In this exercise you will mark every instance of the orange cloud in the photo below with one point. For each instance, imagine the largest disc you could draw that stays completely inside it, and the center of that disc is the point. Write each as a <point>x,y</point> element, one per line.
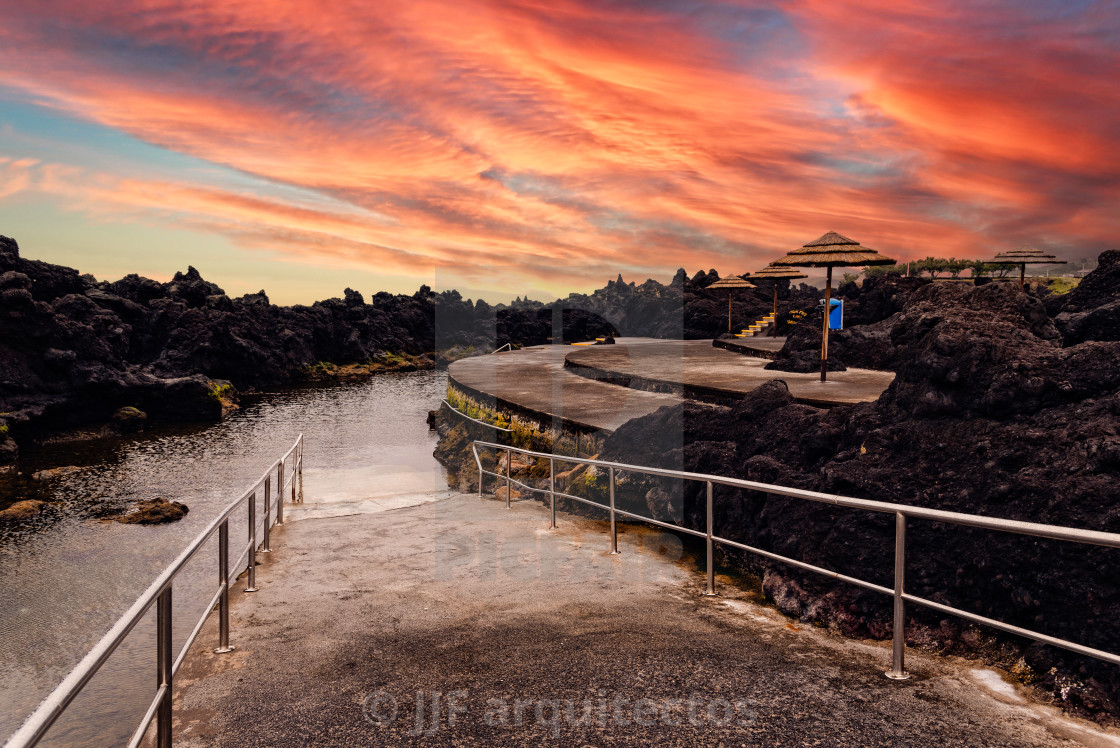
<point>557,143</point>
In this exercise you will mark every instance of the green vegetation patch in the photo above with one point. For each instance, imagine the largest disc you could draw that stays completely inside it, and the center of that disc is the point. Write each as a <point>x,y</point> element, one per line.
<point>219,391</point>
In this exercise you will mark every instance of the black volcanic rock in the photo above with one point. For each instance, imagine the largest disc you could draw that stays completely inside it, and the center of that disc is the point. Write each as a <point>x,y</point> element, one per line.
<point>138,289</point>
<point>1098,288</point>
<point>74,351</point>
<point>983,314</point>
<point>191,289</point>
<point>987,415</point>
<point>686,308</point>
<point>1091,311</point>
<point>50,281</point>
<point>878,298</point>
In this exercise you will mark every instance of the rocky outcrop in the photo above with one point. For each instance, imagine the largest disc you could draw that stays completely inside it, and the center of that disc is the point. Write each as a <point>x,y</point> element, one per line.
<point>21,512</point>
<point>74,352</point>
<point>877,298</point>
<point>881,343</point>
<point>155,512</point>
<point>988,414</point>
<point>1091,311</point>
<point>129,420</point>
<point>687,308</point>
<point>58,472</point>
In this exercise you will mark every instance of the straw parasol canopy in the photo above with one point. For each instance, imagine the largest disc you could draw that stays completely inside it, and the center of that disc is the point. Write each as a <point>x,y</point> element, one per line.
<point>831,251</point>
<point>731,282</point>
<point>1022,257</point>
<point>771,272</point>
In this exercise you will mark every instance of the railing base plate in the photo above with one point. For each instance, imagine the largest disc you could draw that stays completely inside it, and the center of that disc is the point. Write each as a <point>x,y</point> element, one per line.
<point>227,650</point>
<point>896,676</point>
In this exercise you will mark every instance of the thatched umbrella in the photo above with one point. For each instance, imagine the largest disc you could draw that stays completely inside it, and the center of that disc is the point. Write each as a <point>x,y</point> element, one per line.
<point>776,274</point>
<point>1024,256</point>
<point>831,251</point>
<point>731,283</point>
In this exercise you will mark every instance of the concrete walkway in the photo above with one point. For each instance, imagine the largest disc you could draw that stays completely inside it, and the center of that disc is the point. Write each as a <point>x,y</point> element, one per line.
<point>522,636</point>
<point>534,379</point>
<point>705,371</point>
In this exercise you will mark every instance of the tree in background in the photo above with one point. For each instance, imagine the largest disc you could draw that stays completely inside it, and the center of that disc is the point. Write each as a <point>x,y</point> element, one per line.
<point>956,267</point>
<point>990,268</point>
<point>931,265</point>
<point>934,266</point>
<point>873,271</point>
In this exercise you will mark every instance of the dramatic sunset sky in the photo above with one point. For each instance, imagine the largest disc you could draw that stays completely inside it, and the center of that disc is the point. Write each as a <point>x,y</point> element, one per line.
<point>507,147</point>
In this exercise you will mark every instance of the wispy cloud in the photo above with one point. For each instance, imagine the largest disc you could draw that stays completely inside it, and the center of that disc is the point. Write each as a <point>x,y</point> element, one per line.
<point>555,143</point>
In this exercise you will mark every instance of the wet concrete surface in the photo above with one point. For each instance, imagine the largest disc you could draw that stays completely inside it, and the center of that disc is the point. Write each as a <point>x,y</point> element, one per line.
<point>366,626</point>
<point>534,379</point>
<point>700,367</point>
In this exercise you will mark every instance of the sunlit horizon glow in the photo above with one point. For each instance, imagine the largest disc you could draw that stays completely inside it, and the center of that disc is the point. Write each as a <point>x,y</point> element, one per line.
<point>518,147</point>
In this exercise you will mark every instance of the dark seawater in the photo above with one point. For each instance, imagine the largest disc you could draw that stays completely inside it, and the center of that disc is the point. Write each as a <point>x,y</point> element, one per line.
<point>67,580</point>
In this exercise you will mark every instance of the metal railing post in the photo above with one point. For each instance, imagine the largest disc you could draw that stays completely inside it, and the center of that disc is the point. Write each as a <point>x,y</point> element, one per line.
<point>223,580</point>
<point>552,493</point>
<point>614,526</point>
<point>267,516</point>
<point>280,493</point>
<point>164,661</point>
<point>478,459</point>
<point>295,456</point>
<point>898,670</point>
<point>299,471</point>
<point>251,563</point>
<point>709,544</point>
<point>509,459</point>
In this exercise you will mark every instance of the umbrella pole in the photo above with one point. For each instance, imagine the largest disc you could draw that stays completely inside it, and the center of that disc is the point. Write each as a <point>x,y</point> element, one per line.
<point>729,293</point>
<point>775,302</point>
<point>827,309</point>
<point>1022,274</point>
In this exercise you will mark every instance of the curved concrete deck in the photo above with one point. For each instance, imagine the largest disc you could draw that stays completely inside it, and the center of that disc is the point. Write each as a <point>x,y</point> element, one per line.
<point>696,369</point>
<point>534,380</point>
<point>585,393</point>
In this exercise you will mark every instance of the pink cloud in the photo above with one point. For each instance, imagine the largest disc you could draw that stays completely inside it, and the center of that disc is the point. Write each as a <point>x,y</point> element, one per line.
<point>509,139</point>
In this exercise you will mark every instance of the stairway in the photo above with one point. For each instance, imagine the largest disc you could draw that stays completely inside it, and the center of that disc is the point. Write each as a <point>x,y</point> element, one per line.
<point>758,327</point>
<point>590,342</point>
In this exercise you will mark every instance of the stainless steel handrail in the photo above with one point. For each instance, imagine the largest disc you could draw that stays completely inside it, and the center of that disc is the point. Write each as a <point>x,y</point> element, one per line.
<point>507,346</point>
<point>158,593</point>
<point>458,412</point>
<point>901,512</point>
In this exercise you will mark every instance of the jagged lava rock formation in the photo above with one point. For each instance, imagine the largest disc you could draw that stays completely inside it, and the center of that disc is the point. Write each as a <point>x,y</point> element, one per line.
<point>1091,311</point>
<point>989,414</point>
<point>75,351</point>
<point>687,308</point>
